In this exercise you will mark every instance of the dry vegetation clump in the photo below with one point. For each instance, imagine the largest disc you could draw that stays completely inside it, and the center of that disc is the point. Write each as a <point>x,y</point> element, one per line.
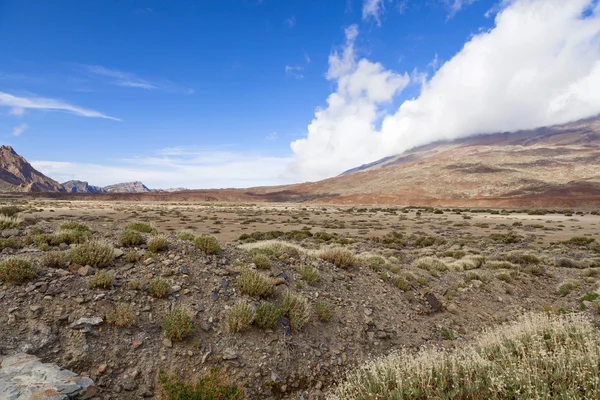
<point>177,324</point>
<point>143,227</point>
<point>214,385</point>
<point>122,315</point>
<point>186,235</point>
<point>55,259</point>
<point>267,315</point>
<point>262,261</point>
<point>101,279</point>
<point>207,244</point>
<point>95,254</point>
<point>10,211</point>
<point>9,222</point>
<point>130,238</point>
<point>295,307</point>
<point>10,243</point>
<point>158,244</point>
<point>275,248</point>
<point>75,226</point>
<point>133,256</point>
<point>16,270</point>
<point>309,273</point>
<point>254,283</point>
<point>239,317</point>
<point>431,264</point>
<point>400,283</point>
<point>158,288</point>
<point>323,311</point>
<point>539,356</point>
<point>567,287</point>
<point>339,257</point>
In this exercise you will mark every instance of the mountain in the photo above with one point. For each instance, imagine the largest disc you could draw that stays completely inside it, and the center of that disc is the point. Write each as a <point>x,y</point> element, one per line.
<point>127,187</point>
<point>82,187</point>
<point>553,163</point>
<point>17,175</point>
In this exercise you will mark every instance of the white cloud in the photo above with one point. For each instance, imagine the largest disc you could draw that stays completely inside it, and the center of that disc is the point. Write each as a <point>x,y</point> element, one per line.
<point>294,71</point>
<point>126,79</point>
<point>272,136</point>
<point>290,22</point>
<point>17,111</point>
<point>18,130</point>
<point>456,5</point>
<point>190,168</point>
<point>17,104</point>
<point>373,9</point>
<point>540,65</point>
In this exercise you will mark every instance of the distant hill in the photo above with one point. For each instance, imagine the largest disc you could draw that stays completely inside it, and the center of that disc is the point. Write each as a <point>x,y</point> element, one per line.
<point>82,187</point>
<point>17,175</point>
<point>127,187</point>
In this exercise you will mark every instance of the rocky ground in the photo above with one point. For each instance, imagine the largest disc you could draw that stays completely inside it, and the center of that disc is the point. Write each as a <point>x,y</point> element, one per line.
<point>424,278</point>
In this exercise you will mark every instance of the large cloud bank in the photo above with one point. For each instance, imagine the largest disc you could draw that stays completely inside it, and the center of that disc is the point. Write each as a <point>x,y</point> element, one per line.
<point>539,65</point>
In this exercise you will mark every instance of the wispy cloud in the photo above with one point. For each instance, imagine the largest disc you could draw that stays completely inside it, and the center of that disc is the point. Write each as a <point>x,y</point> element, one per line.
<point>290,22</point>
<point>272,136</point>
<point>307,57</point>
<point>455,6</point>
<point>127,79</point>
<point>294,71</point>
<point>18,130</point>
<point>18,104</point>
<point>373,9</point>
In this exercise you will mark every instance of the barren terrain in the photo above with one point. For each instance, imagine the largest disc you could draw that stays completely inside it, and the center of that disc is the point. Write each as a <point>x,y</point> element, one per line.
<point>401,278</point>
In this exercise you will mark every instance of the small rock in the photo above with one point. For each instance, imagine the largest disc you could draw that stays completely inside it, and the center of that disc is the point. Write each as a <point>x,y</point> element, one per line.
<point>130,385</point>
<point>118,253</point>
<point>148,261</point>
<point>86,322</point>
<point>452,308</point>
<point>136,343</point>
<point>86,270</point>
<point>436,305</point>
<point>167,343</point>
<point>229,354</point>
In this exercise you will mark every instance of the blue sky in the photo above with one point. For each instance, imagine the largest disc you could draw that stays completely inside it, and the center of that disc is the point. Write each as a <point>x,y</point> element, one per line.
<point>206,93</point>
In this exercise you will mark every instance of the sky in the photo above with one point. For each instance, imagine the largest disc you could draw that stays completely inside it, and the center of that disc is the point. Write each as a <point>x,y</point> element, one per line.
<point>241,93</point>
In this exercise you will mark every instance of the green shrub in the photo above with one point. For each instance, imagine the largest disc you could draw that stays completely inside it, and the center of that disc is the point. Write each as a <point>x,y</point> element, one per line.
<point>95,254</point>
<point>16,270</point>
<point>295,307</point>
<point>254,284</point>
<point>309,273</point>
<point>207,244</point>
<point>506,238</point>
<point>72,236</point>
<point>158,244</point>
<point>567,287</point>
<point>177,324</point>
<point>262,261</point>
<point>580,241</point>
<point>143,227</point>
<point>101,279</point>
<point>133,256</point>
<point>10,243</point>
<point>339,257</point>
<point>184,235</point>
<point>267,315</point>
<point>130,238</point>
<point>213,386</point>
<point>400,283</point>
<point>323,311</point>
<point>158,288</point>
<point>239,318</point>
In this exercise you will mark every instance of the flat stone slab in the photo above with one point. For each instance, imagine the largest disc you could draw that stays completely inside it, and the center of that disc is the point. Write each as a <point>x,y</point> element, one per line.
<point>25,377</point>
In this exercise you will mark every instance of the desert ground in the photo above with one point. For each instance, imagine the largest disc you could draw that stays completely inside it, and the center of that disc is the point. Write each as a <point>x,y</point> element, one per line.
<point>294,296</point>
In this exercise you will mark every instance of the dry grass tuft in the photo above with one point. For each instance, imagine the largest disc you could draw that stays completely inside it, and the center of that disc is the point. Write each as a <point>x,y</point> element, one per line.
<point>208,244</point>
<point>101,279</point>
<point>539,356</point>
<point>254,283</point>
<point>309,273</point>
<point>16,270</point>
<point>7,222</point>
<point>267,315</point>
<point>158,288</point>
<point>158,244</point>
<point>130,238</point>
<point>122,315</point>
<point>339,257</point>
<point>295,307</point>
<point>239,317</point>
<point>95,254</point>
<point>177,324</point>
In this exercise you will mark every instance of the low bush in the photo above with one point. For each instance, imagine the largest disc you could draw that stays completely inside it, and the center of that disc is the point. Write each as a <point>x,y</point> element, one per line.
<point>262,261</point>
<point>55,259</point>
<point>339,257</point>
<point>10,243</point>
<point>130,238</point>
<point>133,256</point>
<point>239,317</point>
<point>254,283</point>
<point>267,315</point>
<point>95,254</point>
<point>16,270</point>
<point>75,226</point>
<point>9,222</point>
<point>295,307</point>
<point>214,385</point>
<point>122,315</point>
<point>309,273</point>
<point>185,235</point>
<point>177,324</point>
<point>143,227</point>
<point>323,311</point>
<point>207,244</point>
<point>158,288</point>
<point>10,211</point>
<point>101,279</point>
<point>158,244</point>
